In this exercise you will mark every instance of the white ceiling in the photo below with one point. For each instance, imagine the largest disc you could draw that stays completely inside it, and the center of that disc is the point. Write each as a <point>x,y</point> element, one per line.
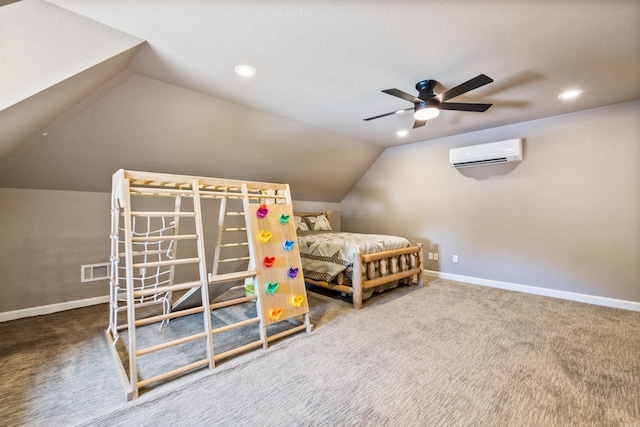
<point>174,104</point>
<point>324,62</point>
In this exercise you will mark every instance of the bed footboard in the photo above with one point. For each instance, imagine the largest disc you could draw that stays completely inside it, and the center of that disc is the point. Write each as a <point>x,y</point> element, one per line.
<point>386,267</point>
<point>380,268</point>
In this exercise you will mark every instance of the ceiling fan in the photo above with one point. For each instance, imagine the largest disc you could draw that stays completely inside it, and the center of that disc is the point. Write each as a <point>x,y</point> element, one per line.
<point>427,105</point>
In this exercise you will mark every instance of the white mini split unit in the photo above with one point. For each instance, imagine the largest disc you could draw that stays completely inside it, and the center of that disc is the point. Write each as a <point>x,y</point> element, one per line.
<point>486,154</point>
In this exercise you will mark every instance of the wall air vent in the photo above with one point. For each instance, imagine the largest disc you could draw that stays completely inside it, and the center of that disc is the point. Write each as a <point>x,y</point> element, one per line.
<point>93,272</point>
<point>487,154</point>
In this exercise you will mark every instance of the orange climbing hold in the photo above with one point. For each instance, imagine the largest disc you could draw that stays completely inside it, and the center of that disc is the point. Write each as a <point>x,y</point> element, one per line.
<point>275,313</point>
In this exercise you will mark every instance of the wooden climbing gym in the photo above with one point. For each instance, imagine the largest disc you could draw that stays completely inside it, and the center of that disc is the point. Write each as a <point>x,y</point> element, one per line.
<point>179,246</point>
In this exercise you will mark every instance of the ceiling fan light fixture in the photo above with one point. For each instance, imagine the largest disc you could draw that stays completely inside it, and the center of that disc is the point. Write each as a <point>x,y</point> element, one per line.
<point>426,113</point>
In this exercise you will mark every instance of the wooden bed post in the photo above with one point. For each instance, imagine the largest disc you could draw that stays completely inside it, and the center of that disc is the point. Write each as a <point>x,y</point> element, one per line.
<point>356,282</point>
<point>420,265</point>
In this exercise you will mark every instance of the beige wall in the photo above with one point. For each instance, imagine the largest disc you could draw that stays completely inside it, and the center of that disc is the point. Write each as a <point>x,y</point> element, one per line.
<point>138,123</point>
<point>48,234</point>
<point>566,218</point>
<point>46,237</point>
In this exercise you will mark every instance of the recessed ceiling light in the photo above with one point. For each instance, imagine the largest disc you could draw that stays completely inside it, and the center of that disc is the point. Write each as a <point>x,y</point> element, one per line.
<point>245,70</point>
<point>569,94</point>
<point>402,133</point>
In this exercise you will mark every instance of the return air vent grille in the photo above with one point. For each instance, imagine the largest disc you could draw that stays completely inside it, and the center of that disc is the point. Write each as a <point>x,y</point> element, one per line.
<point>93,272</point>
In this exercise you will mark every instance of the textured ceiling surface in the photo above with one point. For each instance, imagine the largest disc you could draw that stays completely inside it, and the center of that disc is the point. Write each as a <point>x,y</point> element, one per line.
<point>174,103</point>
<point>325,62</point>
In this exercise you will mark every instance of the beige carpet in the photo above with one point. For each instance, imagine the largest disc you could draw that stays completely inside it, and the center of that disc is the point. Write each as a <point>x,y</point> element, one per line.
<point>444,354</point>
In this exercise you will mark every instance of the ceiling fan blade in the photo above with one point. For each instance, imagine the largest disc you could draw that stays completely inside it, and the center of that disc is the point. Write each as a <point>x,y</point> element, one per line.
<point>465,87</point>
<point>388,114</point>
<point>419,123</point>
<point>403,95</point>
<point>463,106</point>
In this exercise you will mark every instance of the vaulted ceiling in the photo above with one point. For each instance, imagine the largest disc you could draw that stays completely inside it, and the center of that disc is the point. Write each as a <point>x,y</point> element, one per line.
<point>88,87</point>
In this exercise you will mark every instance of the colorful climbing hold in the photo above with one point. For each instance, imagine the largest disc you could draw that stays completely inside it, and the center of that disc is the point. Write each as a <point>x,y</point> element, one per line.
<point>264,236</point>
<point>262,211</point>
<point>288,244</point>
<point>271,287</point>
<point>275,313</point>
<point>284,218</point>
<point>268,261</point>
<point>297,300</point>
<point>293,272</point>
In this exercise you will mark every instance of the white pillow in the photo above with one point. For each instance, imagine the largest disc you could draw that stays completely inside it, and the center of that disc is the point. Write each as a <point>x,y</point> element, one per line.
<point>319,223</point>
<point>300,224</point>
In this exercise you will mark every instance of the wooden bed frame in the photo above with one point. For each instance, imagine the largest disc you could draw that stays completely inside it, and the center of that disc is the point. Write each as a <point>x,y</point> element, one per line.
<point>391,265</point>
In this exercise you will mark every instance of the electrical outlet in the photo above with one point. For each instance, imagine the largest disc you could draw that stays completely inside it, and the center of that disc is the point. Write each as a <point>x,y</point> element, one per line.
<point>436,256</point>
<point>430,255</point>
<point>455,258</point>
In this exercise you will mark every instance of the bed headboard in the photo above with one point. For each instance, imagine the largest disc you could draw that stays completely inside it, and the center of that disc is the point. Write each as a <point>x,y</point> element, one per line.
<point>312,221</point>
<point>308,214</point>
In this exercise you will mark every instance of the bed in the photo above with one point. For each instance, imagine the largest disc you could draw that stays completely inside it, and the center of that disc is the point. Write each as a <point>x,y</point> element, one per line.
<point>330,258</point>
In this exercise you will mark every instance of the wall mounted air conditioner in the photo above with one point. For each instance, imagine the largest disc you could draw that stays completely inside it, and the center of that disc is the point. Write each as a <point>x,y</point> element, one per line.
<point>486,154</point>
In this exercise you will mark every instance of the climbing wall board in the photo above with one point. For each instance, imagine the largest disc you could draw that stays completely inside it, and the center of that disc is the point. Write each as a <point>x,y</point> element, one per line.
<point>279,280</point>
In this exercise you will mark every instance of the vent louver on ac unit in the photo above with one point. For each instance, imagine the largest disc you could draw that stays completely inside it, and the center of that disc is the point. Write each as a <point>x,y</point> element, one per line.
<point>486,154</point>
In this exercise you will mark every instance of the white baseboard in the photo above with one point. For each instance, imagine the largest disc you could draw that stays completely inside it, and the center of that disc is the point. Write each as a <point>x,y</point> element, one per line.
<point>572,296</point>
<point>51,308</point>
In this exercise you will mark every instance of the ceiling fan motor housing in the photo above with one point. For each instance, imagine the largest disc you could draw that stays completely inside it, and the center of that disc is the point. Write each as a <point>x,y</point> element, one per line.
<point>425,89</point>
<point>425,93</point>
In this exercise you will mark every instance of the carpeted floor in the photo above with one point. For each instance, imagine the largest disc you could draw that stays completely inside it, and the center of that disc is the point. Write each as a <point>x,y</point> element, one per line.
<point>444,354</point>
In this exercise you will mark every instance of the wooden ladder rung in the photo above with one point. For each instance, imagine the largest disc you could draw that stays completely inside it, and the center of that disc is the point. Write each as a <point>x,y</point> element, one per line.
<point>166,263</point>
<point>141,253</point>
<point>286,333</point>
<point>229,277</point>
<point>165,237</point>
<point>163,214</point>
<point>244,258</point>
<point>208,194</point>
<point>234,213</point>
<point>234,301</point>
<point>235,229</point>
<point>230,245</point>
<point>172,315</point>
<point>235,325</point>
<point>266,196</point>
<point>155,191</point>
<point>168,344</point>
<point>237,350</point>
<point>123,297</point>
<point>171,288</point>
<point>173,373</point>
